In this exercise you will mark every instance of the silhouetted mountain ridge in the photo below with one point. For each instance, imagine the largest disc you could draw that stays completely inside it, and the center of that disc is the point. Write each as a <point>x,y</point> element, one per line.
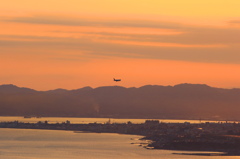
<point>10,88</point>
<point>149,101</point>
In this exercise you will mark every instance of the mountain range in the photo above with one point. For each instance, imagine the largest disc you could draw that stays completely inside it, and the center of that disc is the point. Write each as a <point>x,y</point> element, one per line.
<point>182,101</point>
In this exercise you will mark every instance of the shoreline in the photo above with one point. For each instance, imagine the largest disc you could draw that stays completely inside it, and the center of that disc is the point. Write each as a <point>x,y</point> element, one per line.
<point>165,136</point>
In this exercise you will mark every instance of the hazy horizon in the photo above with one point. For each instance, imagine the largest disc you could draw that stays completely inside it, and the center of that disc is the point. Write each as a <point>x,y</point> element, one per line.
<point>116,85</point>
<point>52,44</point>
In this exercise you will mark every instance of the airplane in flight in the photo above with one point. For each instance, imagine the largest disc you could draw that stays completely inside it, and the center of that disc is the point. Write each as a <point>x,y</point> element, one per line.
<point>116,80</point>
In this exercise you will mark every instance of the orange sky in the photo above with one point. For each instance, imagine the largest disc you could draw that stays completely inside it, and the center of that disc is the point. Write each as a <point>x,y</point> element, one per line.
<point>71,44</point>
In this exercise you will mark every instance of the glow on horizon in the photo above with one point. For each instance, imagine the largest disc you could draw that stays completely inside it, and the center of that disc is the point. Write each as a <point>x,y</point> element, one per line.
<point>101,72</point>
<point>57,44</point>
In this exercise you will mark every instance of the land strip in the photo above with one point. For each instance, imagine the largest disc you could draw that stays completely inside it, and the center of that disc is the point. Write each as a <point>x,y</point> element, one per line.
<point>217,137</point>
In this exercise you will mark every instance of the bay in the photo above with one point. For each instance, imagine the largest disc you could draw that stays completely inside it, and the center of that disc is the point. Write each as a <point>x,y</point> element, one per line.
<point>55,144</point>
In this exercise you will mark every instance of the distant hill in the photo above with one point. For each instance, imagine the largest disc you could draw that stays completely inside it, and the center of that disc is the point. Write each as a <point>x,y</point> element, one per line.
<point>183,101</point>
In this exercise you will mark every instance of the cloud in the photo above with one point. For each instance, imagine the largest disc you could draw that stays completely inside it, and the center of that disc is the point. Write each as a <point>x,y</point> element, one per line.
<point>86,48</point>
<point>78,21</point>
<point>162,31</point>
<point>234,22</point>
<point>127,38</point>
<point>193,37</point>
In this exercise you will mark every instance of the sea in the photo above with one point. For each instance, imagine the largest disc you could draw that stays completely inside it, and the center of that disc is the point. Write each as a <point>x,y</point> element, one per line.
<point>59,144</point>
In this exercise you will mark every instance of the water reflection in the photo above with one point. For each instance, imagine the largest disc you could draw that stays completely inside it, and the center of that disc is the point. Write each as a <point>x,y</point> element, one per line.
<point>52,144</point>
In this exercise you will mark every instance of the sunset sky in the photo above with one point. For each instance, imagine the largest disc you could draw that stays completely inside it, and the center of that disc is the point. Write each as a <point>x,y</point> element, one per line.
<point>51,44</point>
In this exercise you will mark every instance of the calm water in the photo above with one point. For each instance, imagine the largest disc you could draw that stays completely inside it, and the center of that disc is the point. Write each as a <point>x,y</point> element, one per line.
<point>55,144</point>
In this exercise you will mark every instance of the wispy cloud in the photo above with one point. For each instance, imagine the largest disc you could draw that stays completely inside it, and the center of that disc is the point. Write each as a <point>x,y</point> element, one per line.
<point>234,22</point>
<point>79,21</point>
<point>87,48</point>
<point>157,31</point>
<point>94,38</point>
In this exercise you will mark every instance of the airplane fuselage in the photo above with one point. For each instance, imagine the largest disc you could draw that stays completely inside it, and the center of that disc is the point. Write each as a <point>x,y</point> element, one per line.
<point>116,80</point>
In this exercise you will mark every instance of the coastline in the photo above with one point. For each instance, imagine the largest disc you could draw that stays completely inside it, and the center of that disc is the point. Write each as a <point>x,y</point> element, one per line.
<point>167,136</point>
